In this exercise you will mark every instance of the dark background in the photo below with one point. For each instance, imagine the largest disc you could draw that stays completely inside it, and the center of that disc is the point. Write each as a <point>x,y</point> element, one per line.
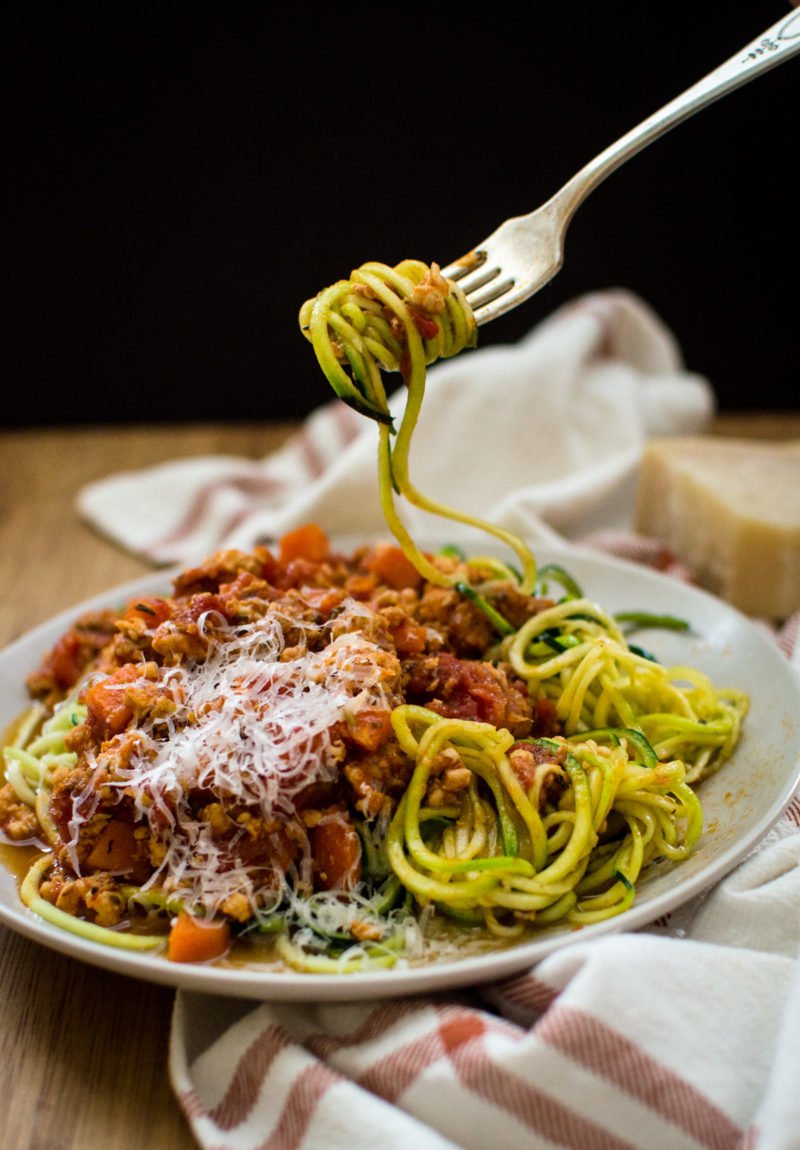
<point>180,177</point>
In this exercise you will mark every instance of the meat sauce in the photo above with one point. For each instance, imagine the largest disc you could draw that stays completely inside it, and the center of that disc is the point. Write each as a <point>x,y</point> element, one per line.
<point>365,624</point>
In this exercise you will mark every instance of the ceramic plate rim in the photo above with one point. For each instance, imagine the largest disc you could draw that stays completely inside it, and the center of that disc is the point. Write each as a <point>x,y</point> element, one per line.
<point>291,986</point>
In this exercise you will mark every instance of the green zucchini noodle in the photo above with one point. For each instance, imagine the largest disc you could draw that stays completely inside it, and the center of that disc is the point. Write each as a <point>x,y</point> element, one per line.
<point>29,893</point>
<point>36,752</point>
<point>576,655</point>
<point>501,858</point>
<point>325,916</point>
<point>396,319</point>
<point>30,760</point>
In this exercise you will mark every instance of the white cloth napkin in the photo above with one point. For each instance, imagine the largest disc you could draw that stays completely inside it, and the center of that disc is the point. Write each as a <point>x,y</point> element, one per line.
<point>683,1036</point>
<point>542,436</point>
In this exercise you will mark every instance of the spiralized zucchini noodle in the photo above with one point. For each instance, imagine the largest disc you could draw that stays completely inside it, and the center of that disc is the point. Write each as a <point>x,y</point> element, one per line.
<point>38,751</point>
<point>577,655</point>
<point>496,851</point>
<point>397,319</point>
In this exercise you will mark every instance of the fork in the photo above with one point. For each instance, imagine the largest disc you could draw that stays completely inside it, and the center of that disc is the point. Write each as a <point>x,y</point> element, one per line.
<point>527,251</point>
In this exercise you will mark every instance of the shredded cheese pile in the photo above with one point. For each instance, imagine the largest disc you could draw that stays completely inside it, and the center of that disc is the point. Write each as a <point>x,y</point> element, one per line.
<point>253,725</point>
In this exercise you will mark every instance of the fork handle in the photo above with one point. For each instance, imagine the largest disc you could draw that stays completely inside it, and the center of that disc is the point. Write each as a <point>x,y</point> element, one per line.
<point>773,46</point>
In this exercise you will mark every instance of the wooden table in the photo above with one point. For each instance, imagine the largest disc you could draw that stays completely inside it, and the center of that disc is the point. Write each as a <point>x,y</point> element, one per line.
<point>83,1052</point>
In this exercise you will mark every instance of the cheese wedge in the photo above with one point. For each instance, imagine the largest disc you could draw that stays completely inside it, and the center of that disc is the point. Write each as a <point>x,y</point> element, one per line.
<point>729,508</point>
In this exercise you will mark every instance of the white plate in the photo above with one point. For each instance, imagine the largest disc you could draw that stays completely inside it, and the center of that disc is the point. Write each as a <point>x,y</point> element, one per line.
<point>741,802</point>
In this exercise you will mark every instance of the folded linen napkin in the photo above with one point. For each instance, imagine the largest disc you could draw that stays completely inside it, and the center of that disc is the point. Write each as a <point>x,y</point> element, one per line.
<point>542,436</point>
<point>677,1037</point>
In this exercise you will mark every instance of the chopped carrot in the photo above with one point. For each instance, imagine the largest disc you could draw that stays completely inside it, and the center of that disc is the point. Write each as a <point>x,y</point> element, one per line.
<point>306,542</point>
<point>193,939</point>
<point>392,565</point>
<point>114,849</point>
<point>323,599</point>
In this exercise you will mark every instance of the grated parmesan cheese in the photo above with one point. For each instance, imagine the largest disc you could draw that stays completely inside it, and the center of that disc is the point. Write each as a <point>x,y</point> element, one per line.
<point>254,723</point>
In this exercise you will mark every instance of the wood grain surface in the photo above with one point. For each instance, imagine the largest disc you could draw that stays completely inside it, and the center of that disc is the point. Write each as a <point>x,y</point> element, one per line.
<point>83,1052</point>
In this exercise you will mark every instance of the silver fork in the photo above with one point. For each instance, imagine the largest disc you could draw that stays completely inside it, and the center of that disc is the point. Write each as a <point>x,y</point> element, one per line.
<point>526,252</point>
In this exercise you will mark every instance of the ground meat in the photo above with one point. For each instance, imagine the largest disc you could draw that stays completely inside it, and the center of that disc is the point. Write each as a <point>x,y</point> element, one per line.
<point>430,294</point>
<point>449,777</point>
<point>515,607</point>
<point>17,819</point>
<point>247,598</point>
<point>246,837</point>
<point>417,642</point>
<point>540,770</point>
<point>84,793</point>
<point>377,780</point>
<point>466,630</point>
<point>96,897</point>
<point>222,567</point>
<point>187,633</point>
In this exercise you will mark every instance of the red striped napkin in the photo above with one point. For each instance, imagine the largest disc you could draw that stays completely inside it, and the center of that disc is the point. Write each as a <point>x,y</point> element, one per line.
<point>629,1041</point>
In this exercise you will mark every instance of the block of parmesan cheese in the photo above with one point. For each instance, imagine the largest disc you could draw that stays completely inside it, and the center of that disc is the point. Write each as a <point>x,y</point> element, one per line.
<point>730,509</point>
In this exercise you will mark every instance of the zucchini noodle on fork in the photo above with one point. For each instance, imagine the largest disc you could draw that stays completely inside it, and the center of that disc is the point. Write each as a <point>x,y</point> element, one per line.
<point>506,854</point>
<point>397,319</point>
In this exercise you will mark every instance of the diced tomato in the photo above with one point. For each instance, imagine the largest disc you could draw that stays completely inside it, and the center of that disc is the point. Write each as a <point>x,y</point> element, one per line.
<point>151,609</point>
<point>546,722</point>
<point>105,700</point>
<point>63,663</point>
<point>336,853</point>
<point>425,325</point>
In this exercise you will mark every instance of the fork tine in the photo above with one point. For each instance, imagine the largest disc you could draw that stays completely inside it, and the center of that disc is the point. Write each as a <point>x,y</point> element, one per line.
<point>473,281</point>
<point>496,290</point>
<point>482,280</point>
<point>465,264</point>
